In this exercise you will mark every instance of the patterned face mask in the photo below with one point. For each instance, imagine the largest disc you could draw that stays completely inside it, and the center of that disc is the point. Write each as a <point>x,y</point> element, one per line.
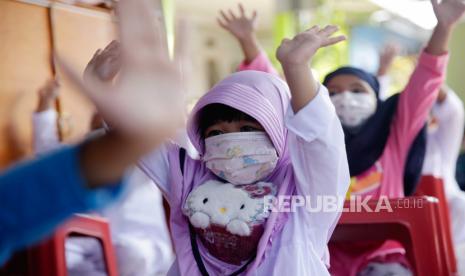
<point>240,157</point>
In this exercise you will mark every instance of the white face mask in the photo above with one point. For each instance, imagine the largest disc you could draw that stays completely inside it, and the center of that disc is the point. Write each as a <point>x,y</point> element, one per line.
<point>240,157</point>
<point>354,109</point>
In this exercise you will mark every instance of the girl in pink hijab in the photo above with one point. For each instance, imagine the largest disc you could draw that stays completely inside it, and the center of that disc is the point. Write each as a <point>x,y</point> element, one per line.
<point>259,142</point>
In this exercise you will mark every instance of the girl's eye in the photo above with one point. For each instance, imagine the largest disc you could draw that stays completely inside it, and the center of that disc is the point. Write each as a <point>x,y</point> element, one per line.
<point>358,90</point>
<point>214,133</point>
<point>332,93</point>
<point>248,129</point>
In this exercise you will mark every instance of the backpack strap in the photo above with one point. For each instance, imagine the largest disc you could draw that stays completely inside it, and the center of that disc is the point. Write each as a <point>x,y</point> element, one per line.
<point>182,159</point>
<point>193,238</point>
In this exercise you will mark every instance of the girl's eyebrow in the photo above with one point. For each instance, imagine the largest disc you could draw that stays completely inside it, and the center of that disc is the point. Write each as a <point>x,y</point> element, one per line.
<point>356,84</point>
<point>333,87</point>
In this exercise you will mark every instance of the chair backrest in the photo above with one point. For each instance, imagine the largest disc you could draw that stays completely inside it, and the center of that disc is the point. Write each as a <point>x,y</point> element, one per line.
<point>413,221</point>
<point>432,186</point>
<point>49,259</point>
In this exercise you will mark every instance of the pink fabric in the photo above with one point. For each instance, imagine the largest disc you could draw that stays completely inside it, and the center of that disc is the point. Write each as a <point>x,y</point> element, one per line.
<point>412,112</point>
<point>260,63</point>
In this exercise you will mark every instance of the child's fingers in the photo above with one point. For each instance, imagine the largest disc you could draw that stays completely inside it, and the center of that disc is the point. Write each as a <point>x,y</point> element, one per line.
<point>96,54</point>
<point>333,40</point>
<point>113,45</point>
<point>329,30</point>
<point>225,16</point>
<point>221,23</point>
<point>313,29</point>
<point>241,9</point>
<point>254,15</point>
<point>137,29</point>
<point>232,15</point>
<point>93,91</point>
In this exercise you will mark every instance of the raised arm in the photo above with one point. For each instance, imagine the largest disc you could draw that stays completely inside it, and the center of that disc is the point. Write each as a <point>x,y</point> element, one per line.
<point>44,120</point>
<point>142,107</point>
<point>295,56</point>
<point>242,27</point>
<point>142,104</point>
<point>386,58</point>
<point>422,90</point>
<point>316,138</point>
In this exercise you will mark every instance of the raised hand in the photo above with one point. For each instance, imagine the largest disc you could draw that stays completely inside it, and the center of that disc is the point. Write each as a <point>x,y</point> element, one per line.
<point>47,95</point>
<point>295,55</point>
<point>386,57</point>
<point>303,46</point>
<point>105,64</point>
<point>145,102</point>
<point>241,26</point>
<point>448,12</point>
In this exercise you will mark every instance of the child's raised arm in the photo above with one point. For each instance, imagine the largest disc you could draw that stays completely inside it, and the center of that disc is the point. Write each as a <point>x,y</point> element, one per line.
<point>422,89</point>
<point>143,105</point>
<point>44,120</point>
<point>242,28</point>
<point>296,54</point>
<point>448,13</point>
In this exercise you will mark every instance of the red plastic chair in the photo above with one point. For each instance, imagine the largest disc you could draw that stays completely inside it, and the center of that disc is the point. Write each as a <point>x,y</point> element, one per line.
<point>432,186</point>
<point>48,258</point>
<point>418,229</point>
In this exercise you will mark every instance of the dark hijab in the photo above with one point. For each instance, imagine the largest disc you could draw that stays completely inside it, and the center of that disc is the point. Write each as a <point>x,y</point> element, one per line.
<point>366,145</point>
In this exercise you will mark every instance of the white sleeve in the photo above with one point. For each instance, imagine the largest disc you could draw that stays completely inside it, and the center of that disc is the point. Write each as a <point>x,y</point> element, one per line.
<point>450,115</point>
<point>45,131</point>
<point>156,166</point>
<point>384,83</point>
<point>319,159</point>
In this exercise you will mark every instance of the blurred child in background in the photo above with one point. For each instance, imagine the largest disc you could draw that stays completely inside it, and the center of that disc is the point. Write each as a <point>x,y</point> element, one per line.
<point>39,195</point>
<point>137,221</point>
<point>374,149</point>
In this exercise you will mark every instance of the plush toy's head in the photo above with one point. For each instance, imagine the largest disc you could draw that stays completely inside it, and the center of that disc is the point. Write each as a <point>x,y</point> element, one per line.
<point>222,204</point>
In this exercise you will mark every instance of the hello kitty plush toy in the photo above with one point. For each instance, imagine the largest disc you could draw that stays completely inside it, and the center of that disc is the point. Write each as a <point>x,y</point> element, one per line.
<point>227,205</point>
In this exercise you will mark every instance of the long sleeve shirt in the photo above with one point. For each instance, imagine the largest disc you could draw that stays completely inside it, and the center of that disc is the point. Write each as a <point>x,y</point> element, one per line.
<point>38,195</point>
<point>138,215</point>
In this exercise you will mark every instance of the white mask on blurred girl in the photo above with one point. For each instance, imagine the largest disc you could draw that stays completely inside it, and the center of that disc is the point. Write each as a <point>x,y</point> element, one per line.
<point>352,108</point>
